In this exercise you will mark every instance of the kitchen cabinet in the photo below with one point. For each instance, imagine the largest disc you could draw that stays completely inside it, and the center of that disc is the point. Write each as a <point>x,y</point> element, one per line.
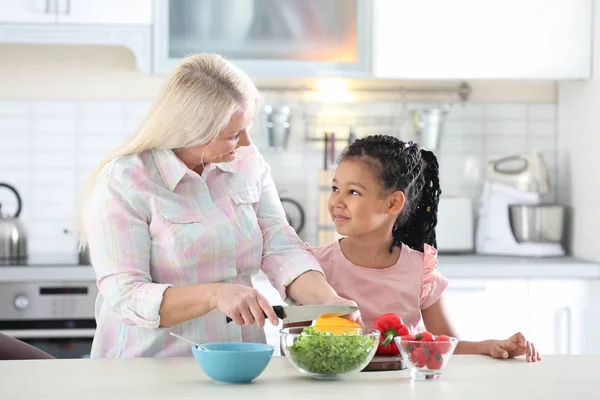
<point>267,37</point>
<point>487,309</point>
<point>117,12</point>
<point>28,11</point>
<point>564,316</point>
<point>473,39</point>
<point>124,12</point>
<point>84,22</point>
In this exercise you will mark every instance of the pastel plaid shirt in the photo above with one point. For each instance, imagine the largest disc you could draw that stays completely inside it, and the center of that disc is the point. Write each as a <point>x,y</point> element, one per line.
<point>153,223</point>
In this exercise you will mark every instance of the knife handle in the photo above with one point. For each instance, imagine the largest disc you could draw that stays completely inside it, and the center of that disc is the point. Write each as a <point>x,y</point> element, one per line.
<point>278,311</point>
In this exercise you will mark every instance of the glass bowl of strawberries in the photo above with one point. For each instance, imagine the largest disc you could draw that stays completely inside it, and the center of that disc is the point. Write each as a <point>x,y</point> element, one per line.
<point>427,355</point>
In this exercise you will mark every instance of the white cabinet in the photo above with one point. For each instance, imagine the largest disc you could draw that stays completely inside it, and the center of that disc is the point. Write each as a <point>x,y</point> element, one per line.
<point>109,12</point>
<point>28,11</point>
<point>83,12</point>
<point>474,39</point>
<point>487,309</point>
<point>564,316</point>
<point>84,22</point>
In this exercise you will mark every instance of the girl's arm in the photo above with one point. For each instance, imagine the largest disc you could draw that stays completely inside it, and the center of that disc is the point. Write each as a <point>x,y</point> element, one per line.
<point>438,322</point>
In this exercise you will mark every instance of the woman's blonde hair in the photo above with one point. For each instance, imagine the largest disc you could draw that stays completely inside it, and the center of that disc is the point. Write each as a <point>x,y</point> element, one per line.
<point>196,102</point>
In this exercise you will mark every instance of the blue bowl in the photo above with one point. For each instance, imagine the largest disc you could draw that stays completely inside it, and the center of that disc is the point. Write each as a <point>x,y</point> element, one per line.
<point>231,362</point>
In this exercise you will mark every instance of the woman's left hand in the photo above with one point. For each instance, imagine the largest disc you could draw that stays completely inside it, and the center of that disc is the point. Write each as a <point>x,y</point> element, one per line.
<point>515,346</point>
<point>340,301</point>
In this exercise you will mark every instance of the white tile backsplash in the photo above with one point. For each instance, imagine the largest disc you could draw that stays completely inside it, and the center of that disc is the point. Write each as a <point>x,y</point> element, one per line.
<point>466,111</point>
<point>14,107</point>
<point>49,148</point>
<point>506,127</point>
<point>55,143</point>
<point>14,160</point>
<point>463,128</point>
<point>53,125</point>
<point>94,109</point>
<point>542,111</point>
<point>498,144</point>
<point>102,126</point>
<point>13,125</point>
<point>542,128</point>
<point>52,108</point>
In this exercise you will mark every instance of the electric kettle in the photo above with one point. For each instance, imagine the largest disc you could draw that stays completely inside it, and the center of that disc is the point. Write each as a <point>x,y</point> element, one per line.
<point>13,238</point>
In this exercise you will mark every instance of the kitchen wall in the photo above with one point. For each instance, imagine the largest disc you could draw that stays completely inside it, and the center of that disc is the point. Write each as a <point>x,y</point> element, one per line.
<point>63,108</point>
<point>579,140</point>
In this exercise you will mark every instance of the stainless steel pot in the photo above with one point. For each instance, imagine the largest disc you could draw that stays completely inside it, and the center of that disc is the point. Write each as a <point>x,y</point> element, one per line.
<point>537,223</point>
<point>428,124</point>
<point>13,237</point>
<point>278,126</point>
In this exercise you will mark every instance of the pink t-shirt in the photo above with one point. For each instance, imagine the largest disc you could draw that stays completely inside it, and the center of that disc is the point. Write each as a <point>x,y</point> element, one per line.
<point>406,288</point>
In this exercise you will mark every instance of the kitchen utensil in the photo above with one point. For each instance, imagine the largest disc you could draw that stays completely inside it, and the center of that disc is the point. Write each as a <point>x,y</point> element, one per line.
<point>505,224</point>
<point>333,149</point>
<point>231,362</point>
<point>543,223</point>
<point>278,126</point>
<point>83,255</point>
<point>351,135</point>
<point>13,237</point>
<point>525,171</point>
<point>426,360</point>
<point>325,152</point>
<point>290,314</point>
<point>428,126</point>
<point>331,356</point>
<point>189,341</point>
<point>295,218</point>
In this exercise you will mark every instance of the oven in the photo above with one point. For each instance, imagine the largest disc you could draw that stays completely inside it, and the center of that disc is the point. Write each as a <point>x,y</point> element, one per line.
<point>55,316</point>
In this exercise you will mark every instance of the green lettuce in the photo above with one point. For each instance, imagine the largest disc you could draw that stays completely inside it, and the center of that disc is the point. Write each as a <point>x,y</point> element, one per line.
<point>325,353</point>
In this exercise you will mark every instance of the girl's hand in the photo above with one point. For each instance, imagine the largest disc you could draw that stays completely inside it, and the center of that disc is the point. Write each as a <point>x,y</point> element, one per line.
<point>514,346</point>
<point>340,301</point>
<point>244,305</point>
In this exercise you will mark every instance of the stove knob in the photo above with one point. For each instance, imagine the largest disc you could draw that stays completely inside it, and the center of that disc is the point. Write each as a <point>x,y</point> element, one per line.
<point>21,302</point>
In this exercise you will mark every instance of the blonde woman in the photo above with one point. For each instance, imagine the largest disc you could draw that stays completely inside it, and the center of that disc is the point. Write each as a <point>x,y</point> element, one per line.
<point>182,215</point>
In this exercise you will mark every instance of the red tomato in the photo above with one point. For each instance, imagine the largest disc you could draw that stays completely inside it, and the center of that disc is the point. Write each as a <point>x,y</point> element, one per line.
<point>425,337</point>
<point>419,357</point>
<point>435,362</point>
<point>409,346</point>
<point>442,344</point>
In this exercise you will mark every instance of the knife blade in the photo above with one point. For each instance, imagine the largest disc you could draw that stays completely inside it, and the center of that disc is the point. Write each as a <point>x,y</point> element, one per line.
<point>290,314</point>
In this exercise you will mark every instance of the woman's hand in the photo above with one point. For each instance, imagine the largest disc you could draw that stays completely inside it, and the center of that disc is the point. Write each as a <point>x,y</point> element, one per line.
<point>244,305</point>
<point>514,346</point>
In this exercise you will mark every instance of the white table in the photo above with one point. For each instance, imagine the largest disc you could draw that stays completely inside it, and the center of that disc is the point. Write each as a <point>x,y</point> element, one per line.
<point>466,377</point>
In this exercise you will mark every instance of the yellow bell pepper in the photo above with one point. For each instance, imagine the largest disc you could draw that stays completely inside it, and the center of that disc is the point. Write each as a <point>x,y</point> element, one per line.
<point>335,324</point>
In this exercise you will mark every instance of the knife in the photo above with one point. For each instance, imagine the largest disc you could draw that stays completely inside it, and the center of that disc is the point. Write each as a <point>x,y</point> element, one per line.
<point>290,314</point>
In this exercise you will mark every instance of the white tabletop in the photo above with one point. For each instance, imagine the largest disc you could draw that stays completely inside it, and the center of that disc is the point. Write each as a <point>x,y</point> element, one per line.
<point>466,377</point>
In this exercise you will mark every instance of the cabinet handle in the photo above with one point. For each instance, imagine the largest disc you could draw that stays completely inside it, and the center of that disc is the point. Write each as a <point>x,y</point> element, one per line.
<point>68,10</point>
<point>47,11</point>
<point>563,316</point>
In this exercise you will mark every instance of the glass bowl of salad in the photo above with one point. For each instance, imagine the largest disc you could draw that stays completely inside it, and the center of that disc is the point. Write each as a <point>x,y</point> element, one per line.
<point>329,353</point>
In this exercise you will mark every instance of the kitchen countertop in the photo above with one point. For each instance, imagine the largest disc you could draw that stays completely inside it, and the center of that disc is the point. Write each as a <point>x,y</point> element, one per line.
<point>54,268</point>
<point>466,377</point>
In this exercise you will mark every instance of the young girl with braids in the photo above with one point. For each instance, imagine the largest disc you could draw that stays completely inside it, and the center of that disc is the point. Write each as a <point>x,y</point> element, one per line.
<point>384,202</point>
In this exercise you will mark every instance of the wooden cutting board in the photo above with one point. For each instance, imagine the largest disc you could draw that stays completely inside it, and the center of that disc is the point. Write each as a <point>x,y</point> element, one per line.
<point>386,363</point>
